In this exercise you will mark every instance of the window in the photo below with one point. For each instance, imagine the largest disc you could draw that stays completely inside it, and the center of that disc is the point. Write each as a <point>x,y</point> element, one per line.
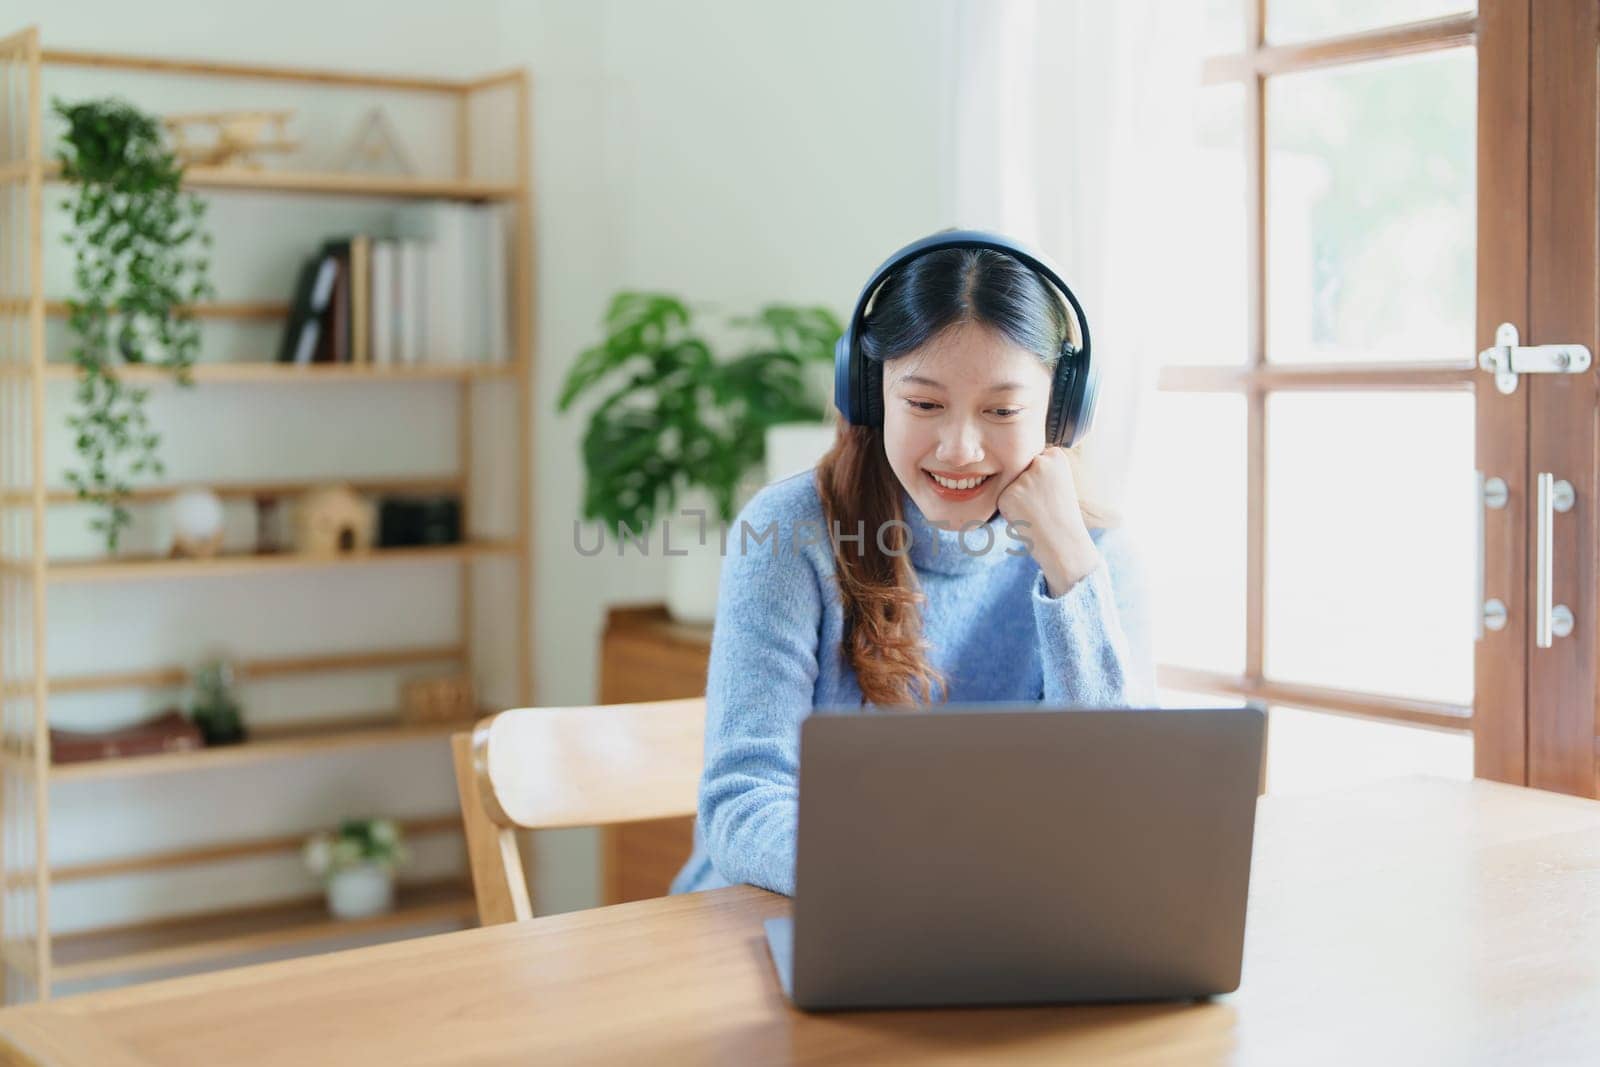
<point>1324,562</point>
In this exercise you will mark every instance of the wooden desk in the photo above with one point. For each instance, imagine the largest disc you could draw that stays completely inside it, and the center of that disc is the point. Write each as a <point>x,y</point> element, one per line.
<point>1413,922</point>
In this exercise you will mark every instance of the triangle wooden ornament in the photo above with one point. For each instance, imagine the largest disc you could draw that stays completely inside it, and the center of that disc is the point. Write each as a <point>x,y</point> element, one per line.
<point>375,148</point>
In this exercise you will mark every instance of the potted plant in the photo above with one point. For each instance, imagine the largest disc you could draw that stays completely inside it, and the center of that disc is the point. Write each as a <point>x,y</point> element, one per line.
<point>675,423</point>
<point>139,263</point>
<point>215,711</point>
<point>357,865</point>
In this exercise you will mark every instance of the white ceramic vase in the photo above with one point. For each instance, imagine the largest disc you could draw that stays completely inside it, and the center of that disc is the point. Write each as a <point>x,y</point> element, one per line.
<point>692,577</point>
<point>361,891</point>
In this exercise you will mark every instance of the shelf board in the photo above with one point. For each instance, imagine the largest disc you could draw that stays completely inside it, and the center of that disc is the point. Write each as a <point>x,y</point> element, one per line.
<point>284,373</point>
<point>270,311</point>
<point>143,863</point>
<point>266,744</point>
<point>151,494</point>
<point>143,568</point>
<point>262,72</point>
<point>216,935</point>
<point>375,185</point>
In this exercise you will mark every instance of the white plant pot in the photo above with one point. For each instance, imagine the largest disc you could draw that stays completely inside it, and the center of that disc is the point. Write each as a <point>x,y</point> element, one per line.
<point>692,578</point>
<point>361,891</point>
<point>793,447</point>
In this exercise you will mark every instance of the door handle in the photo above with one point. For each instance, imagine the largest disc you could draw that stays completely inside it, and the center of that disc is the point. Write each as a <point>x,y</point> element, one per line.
<point>1490,614</point>
<point>1550,620</point>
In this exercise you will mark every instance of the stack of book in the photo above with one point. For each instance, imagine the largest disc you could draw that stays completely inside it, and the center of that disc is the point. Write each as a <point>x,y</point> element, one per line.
<point>431,289</point>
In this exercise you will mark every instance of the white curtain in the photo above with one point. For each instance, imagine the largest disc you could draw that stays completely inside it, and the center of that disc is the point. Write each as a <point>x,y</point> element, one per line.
<point>1069,125</point>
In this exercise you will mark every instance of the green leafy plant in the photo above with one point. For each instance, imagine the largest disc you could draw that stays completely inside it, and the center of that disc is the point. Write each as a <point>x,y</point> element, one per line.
<point>215,711</point>
<point>674,417</point>
<point>132,233</point>
<point>357,841</point>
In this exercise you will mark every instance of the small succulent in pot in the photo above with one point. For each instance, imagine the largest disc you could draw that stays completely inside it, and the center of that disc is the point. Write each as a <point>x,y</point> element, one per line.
<point>357,841</point>
<point>357,864</point>
<point>215,711</point>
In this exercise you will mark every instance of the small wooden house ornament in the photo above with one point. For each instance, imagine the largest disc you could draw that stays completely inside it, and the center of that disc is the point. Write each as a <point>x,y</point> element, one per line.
<point>333,521</point>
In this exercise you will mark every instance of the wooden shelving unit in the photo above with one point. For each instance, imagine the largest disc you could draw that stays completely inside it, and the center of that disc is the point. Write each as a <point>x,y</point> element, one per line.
<point>144,569</point>
<point>265,744</point>
<point>289,374</point>
<point>33,960</point>
<point>278,181</point>
<point>237,931</point>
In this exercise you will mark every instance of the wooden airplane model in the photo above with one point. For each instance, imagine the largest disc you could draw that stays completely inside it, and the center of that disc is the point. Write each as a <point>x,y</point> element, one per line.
<point>229,138</point>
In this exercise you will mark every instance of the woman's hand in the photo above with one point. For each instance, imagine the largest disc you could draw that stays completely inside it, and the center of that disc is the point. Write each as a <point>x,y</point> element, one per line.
<point>1045,498</point>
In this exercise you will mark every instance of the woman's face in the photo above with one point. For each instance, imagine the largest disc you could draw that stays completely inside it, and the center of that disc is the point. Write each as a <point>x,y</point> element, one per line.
<point>968,406</point>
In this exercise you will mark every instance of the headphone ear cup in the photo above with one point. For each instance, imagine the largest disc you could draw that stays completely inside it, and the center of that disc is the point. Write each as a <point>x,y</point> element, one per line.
<point>843,385</point>
<point>872,390</point>
<point>1061,390</point>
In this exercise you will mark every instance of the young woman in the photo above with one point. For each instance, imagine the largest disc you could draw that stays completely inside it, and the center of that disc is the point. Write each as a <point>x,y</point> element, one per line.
<point>945,555</point>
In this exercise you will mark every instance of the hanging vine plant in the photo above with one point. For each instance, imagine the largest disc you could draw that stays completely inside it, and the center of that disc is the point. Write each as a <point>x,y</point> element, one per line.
<point>140,257</point>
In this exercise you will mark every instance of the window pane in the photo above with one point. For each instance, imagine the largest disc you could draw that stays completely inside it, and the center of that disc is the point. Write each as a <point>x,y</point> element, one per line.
<point>1371,213</point>
<point>1206,318</point>
<point>1313,751</point>
<point>1186,698</point>
<point>1187,511</point>
<point>1371,542</point>
<point>1224,29</point>
<point>1296,20</point>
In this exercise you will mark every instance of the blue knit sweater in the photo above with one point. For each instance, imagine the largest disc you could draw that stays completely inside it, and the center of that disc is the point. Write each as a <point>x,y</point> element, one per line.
<point>993,630</point>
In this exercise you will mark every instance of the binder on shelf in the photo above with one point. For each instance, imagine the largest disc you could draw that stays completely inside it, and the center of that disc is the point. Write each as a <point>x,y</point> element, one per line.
<point>312,294</point>
<point>334,344</point>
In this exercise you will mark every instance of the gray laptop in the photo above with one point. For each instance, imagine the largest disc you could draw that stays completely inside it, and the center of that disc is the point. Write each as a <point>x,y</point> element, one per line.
<point>999,854</point>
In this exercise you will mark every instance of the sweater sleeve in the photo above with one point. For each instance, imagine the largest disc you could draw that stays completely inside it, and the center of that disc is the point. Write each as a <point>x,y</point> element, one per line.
<point>1094,639</point>
<point>759,687</point>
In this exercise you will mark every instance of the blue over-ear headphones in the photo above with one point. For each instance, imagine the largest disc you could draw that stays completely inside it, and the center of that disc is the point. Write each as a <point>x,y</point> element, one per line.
<point>858,381</point>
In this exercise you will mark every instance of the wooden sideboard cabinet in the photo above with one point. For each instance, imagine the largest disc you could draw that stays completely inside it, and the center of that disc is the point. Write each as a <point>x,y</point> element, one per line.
<point>645,655</point>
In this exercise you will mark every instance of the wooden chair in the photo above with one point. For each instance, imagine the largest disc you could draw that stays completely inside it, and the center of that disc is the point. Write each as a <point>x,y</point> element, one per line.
<point>551,768</point>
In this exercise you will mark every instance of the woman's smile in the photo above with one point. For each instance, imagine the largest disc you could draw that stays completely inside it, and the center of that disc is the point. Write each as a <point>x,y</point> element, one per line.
<point>958,487</point>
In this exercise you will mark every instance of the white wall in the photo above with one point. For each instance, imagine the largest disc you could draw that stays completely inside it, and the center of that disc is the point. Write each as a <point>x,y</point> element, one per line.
<point>730,153</point>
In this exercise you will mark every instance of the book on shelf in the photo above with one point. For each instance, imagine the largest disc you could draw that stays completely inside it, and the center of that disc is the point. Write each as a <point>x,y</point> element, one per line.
<point>360,297</point>
<point>464,317</point>
<point>385,302</point>
<point>411,289</point>
<point>432,289</point>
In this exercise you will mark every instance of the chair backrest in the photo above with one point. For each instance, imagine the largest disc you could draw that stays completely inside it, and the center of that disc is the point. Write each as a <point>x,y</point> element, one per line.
<point>550,768</point>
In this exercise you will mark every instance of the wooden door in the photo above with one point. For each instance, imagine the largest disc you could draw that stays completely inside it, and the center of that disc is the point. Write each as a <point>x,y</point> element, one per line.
<point>1562,305</point>
<point>1413,175</point>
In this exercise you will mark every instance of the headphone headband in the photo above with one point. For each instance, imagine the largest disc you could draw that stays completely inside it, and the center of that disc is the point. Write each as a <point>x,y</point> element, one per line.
<point>974,239</point>
<point>1076,383</point>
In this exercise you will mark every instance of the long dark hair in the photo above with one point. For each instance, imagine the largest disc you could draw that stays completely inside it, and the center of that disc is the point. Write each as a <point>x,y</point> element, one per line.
<point>878,589</point>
